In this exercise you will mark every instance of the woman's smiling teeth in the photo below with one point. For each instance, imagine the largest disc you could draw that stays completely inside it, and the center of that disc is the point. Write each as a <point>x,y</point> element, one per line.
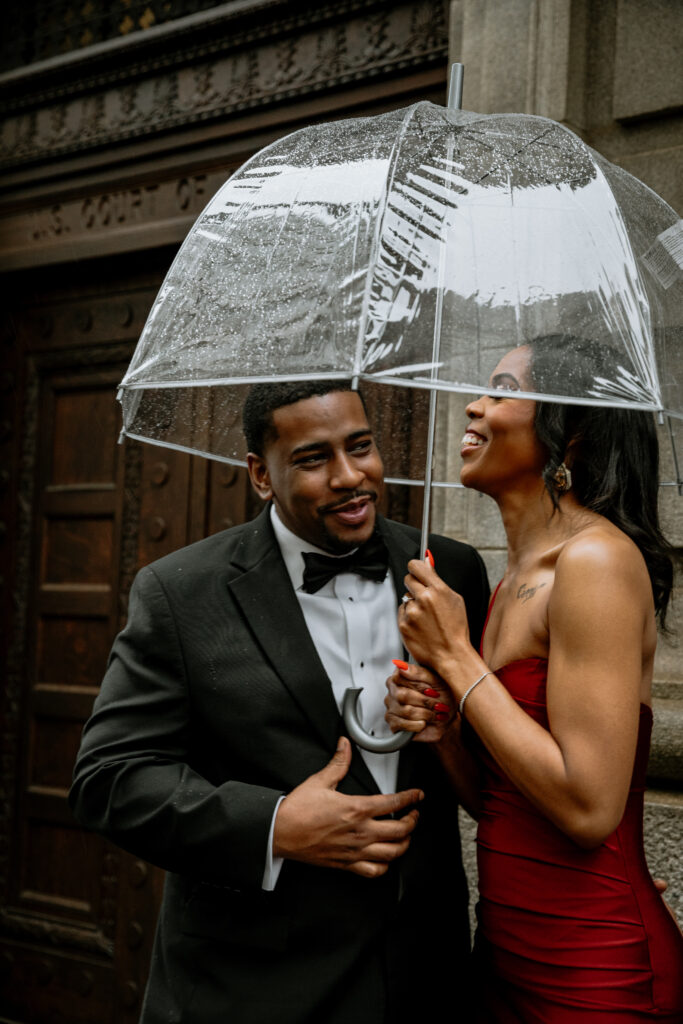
<point>471,438</point>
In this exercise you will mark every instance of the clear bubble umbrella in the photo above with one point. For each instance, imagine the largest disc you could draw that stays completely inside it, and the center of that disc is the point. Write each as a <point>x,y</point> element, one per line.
<point>410,251</point>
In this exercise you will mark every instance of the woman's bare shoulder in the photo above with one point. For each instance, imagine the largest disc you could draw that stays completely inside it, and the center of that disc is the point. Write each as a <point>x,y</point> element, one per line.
<point>602,554</point>
<point>601,607</point>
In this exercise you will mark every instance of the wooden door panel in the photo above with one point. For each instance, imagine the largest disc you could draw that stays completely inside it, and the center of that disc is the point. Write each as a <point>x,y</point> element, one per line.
<point>69,647</point>
<point>228,496</point>
<point>77,551</point>
<point>166,488</point>
<point>77,916</point>
<point>62,991</point>
<point>85,421</point>
<point>53,745</point>
<point>55,880</point>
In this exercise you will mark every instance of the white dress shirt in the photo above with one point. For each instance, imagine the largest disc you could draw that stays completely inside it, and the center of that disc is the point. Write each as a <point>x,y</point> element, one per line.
<point>352,622</point>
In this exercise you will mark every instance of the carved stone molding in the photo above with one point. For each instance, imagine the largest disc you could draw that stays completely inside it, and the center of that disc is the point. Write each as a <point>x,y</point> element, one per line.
<point>116,218</point>
<point>270,54</point>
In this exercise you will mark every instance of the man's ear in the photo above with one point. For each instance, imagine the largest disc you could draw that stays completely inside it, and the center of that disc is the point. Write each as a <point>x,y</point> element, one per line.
<point>259,476</point>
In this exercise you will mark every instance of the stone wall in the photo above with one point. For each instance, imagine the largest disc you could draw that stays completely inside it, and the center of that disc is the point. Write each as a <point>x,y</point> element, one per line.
<point>609,70</point>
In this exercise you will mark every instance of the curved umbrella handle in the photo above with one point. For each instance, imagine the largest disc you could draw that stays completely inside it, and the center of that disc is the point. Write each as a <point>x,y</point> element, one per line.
<point>358,734</point>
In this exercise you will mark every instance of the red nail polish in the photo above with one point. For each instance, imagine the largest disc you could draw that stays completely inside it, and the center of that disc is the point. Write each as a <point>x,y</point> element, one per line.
<point>431,693</point>
<point>442,707</point>
<point>441,716</point>
<point>400,665</point>
<point>429,557</point>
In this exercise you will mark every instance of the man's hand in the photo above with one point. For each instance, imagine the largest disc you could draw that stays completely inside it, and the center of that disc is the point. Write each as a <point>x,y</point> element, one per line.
<point>317,825</point>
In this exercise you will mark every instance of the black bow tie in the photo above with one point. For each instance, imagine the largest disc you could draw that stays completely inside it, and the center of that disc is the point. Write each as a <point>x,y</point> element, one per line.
<point>370,560</point>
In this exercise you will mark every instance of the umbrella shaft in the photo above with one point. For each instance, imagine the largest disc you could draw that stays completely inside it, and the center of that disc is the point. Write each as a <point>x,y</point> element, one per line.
<point>454,101</point>
<point>429,466</point>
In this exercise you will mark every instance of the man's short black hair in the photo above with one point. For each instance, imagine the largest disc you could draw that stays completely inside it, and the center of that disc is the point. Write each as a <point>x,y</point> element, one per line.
<point>263,399</point>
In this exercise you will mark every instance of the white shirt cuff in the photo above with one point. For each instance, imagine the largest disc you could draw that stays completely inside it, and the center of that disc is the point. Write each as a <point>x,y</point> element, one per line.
<point>271,872</point>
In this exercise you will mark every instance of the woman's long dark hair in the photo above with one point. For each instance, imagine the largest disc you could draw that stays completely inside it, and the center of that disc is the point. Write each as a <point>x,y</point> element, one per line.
<point>614,453</point>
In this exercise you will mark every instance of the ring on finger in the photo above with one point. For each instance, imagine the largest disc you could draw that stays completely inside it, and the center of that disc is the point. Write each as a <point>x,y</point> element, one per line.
<point>406,598</point>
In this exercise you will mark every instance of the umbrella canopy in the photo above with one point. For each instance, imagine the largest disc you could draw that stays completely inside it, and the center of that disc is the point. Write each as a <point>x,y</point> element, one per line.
<point>411,249</point>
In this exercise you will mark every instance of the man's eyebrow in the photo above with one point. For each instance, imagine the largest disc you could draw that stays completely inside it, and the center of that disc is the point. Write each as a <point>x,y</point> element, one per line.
<point>500,378</point>
<point>315,446</point>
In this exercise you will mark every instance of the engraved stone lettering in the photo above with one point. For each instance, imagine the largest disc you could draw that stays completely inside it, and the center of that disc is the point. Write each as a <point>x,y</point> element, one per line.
<point>48,223</point>
<point>88,213</point>
<point>189,191</point>
<point>134,205</point>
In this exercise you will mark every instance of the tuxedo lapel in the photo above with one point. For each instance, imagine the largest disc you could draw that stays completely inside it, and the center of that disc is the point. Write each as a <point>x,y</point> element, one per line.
<point>401,549</point>
<point>263,590</point>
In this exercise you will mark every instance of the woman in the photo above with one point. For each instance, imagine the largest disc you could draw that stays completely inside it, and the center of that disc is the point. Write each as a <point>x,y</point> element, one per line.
<point>554,713</point>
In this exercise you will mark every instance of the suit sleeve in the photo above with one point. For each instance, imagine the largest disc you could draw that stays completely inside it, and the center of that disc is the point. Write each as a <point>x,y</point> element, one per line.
<point>463,569</point>
<point>133,779</point>
<point>477,599</point>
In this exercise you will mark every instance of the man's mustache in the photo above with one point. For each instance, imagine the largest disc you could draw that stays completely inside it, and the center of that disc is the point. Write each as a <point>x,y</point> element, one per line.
<point>340,502</point>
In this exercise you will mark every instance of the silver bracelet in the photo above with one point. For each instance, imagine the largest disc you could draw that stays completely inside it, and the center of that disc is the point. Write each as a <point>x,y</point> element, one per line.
<point>466,694</point>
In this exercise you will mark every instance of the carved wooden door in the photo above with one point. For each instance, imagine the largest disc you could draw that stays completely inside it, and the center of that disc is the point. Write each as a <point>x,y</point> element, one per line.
<point>77,915</point>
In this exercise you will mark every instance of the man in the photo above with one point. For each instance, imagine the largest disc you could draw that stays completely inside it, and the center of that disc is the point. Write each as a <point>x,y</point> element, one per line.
<point>302,887</point>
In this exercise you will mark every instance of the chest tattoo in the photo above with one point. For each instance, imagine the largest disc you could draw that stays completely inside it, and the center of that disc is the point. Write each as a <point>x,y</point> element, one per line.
<point>526,593</point>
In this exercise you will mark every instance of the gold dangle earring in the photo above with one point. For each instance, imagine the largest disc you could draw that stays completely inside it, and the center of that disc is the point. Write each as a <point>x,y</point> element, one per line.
<point>562,478</point>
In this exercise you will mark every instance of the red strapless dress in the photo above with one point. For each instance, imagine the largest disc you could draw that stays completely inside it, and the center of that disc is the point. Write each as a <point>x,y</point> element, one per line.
<point>567,934</point>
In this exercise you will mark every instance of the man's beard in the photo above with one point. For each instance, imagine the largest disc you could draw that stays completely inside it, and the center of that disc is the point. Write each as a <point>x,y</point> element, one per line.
<point>338,545</point>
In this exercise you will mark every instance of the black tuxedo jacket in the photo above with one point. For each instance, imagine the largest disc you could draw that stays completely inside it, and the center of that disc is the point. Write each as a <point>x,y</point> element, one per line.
<point>214,704</point>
